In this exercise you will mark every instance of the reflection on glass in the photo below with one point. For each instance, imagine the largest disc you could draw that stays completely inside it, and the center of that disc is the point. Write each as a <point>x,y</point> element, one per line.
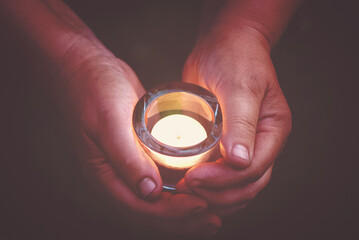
<point>179,126</point>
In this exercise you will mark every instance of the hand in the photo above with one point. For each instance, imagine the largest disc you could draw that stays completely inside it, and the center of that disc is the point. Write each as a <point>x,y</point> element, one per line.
<point>97,96</point>
<point>238,69</point>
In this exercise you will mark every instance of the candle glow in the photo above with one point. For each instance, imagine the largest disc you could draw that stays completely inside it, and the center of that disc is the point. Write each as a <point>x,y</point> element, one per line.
<point>179,126</point>
<point>179,130</point>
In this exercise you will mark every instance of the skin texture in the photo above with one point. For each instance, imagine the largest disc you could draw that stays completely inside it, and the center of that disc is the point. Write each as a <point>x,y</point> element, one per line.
<point>232,60</point>
<point>255,115</point>
<point>97,92</point>
<point>103,93</point>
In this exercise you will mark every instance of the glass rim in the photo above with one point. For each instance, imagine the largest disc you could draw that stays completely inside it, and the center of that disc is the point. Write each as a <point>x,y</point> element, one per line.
<point>142,132</point>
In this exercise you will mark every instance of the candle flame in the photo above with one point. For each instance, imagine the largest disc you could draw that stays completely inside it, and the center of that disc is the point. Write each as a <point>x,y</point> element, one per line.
<point>179,130</point>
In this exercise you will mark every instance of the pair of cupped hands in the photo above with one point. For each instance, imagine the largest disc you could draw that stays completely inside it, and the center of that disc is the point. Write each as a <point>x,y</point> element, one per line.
<point>97,95</point>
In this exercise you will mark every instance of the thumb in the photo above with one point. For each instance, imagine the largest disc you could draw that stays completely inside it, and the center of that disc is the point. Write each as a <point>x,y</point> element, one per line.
<point>240,107</point>
<point>125,154</point>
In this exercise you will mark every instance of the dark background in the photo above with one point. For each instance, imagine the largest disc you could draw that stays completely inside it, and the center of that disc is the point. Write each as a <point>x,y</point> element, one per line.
<point>313,191</point>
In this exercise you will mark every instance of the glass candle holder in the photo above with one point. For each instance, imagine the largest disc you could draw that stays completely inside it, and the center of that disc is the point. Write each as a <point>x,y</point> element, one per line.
<point>178,125</point>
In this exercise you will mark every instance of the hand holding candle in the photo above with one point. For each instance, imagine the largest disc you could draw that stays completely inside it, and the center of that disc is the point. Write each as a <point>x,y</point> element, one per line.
<point>256,118</point>
<point>111,157</point>
<point>96,93</point>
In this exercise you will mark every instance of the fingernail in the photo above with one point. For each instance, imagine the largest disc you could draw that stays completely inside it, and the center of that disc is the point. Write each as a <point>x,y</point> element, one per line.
<point>147,186</point>
<point>241,152</point>
<point>195,183</point>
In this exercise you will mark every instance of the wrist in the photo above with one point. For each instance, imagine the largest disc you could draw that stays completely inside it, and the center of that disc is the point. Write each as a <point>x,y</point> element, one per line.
<point>226,50</point>
<point>236,35</point>
<point>269,18</point>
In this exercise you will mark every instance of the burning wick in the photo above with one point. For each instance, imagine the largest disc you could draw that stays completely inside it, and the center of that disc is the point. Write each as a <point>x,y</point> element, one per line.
<point>179,130</point>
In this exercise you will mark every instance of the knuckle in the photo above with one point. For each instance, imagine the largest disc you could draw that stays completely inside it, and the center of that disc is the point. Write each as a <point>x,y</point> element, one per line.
<point>251,193</point>
<point>247,124</point>
<point>243,81</point>
<point>255,87</point>
<point>250,196</point>
<point>221,84</point>
<point>285,118</point>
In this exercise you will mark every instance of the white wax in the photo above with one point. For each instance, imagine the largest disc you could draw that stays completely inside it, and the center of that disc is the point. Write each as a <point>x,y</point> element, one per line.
<point>179,130</point>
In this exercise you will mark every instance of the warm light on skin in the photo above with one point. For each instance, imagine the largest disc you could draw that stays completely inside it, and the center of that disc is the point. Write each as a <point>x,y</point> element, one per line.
<point>178,162</point>
<point>179,130</point>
